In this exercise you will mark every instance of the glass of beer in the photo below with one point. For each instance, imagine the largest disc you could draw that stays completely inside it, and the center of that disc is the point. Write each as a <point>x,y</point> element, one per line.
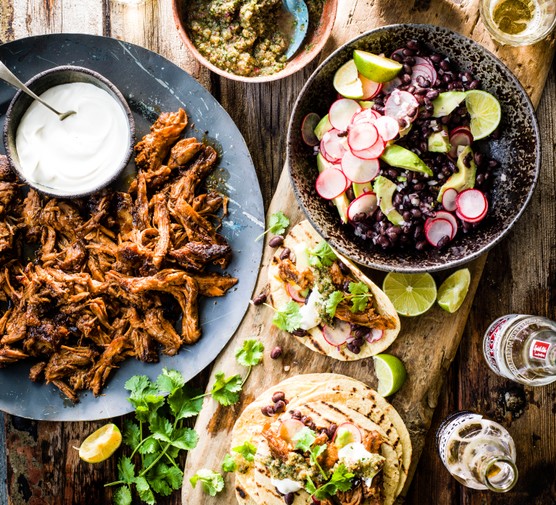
<point>518,22</point>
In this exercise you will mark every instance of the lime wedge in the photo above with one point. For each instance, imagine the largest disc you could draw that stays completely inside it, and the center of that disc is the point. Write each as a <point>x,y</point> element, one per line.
<point>346,81</point>
<point>411,294</point>
<point>485,113</point>
<point>374,67</point>
<point>100,444</point>
<point>390,372</point>
<point>453,290</point>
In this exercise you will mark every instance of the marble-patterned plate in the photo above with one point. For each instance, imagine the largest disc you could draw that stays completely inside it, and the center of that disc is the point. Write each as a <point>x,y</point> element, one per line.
<point>151,85</point>
<point>518,150</point>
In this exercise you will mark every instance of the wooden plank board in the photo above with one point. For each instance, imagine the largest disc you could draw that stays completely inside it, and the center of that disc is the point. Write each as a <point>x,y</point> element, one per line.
<point>427,344</point>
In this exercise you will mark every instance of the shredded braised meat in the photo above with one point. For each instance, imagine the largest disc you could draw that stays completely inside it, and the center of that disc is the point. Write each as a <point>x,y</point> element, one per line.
<point>117,274</point>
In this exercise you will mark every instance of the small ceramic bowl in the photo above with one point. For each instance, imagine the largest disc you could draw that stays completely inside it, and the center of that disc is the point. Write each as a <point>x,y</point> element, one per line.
<point>517,150</point>
<point>39,84</point>
<point>313,44</point>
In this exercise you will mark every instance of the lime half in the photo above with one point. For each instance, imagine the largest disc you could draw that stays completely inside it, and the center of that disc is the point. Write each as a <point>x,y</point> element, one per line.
<point>390,372</point>
<point>411,294</point>
<point>485,113</point>
<point>374,67</point>
<point>453,290</point>
<point>101,444</point>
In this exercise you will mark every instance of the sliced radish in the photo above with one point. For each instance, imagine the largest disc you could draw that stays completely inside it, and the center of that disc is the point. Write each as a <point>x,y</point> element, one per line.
<point>401,105</point>
<point>366,204</point>
<point>338,334</point>
<point>365,116</point>
<point>341,112</point>
<point>374,336</point>
<point>390,86</point>
<point>308,125</point>
<point>388,127</point>
<point>373,152</point>
<point>471,205</point>
<point>362,136</point>
<point>449,199</point>
<point>359,170</point>
<point>333,145</point>
<point>442,214</point>
<point>370,88</point>
<point>436,229</point>
<point>289,428</point>
<point>348,433</point>
<point>459,137</point>
<point>295,293</point>
<point>331,183</point>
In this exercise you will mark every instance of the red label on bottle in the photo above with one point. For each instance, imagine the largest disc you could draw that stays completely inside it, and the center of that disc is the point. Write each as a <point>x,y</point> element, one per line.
<point>539,349</point>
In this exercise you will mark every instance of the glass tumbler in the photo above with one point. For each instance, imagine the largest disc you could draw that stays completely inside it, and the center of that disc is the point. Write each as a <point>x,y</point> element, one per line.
<point>518,22</point>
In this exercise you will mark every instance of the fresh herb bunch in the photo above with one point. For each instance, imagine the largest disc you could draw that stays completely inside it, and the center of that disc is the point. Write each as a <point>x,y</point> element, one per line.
<point>158,435</point>
<point>277,224</point>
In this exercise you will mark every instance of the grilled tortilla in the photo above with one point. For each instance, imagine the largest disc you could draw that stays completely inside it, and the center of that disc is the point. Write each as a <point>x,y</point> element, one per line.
<point>294,275</point>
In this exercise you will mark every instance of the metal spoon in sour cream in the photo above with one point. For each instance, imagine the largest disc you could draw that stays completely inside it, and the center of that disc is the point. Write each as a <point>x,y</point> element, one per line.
<point>80,153</point>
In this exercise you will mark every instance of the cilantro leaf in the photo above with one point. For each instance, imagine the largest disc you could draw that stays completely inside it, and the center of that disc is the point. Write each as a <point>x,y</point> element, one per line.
<point>185,438</point>
<point>126,470</point>
<point>247,450</point>
<point>322,255</point>
<point>149,446</point>
<point>163,479</point>
<point>229,463</point>
<point>250,353</point>
<point>332,302</point>
<point>169,381</point>
<point>288,318</point>
<point>341,480</point>
<point>132,433</point>
<point>314,454</point>
<point>185,403</point>
<point>144,491</point>
<point>277,224</point>
<point>161,428</point>
<point>226,389</point>
<point>304,439</point>
<point>212,482</point>
<point>122,496</point>
<point>359,296</point>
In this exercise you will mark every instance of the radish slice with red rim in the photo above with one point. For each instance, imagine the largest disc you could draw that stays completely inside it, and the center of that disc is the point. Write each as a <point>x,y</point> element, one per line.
<point>333,145</point>
<point>459,137</point>
<point>400,105</point>
<point>289,428</point>
<point>449,199</point>
<point>331,183</point>
<point>442,214</point>
<point>365,204</point>
<point>365,116</point>
<point>359,170</point>
<point>374,336</point>
<point>351,433</point>
<point>436,229</point>
<point>337,334</point>
<point>341,113</point>
<point>373,152</point>
<point>308,125</point>
<point>362,136</point>
<point>471,205</point>
<point>370,88</point>
<point>388,127</point>
<point>294,292</point>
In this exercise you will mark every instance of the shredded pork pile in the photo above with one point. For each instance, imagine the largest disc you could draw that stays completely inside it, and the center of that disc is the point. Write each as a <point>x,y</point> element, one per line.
<point>111,274</point>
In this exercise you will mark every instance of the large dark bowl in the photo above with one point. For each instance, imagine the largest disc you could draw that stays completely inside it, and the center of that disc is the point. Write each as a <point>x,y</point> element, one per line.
<point>518,151</point>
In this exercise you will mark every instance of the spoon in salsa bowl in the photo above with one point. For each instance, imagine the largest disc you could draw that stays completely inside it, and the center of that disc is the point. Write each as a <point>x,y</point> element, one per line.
<point>7,75</point>
<point>298,9</point>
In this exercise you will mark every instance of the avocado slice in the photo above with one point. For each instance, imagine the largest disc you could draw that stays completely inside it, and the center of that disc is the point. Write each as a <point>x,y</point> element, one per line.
<point>359,189</point>
<point>384,189</point>
<point>447,102</point>
<point>439,142</point>
<point>342,201</point>
<point>464,178</point>
<point>322,127</point>
<point>398,156</point>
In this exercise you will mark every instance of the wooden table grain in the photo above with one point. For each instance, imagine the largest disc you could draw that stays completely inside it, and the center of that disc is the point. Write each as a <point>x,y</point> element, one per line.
<point>42,468</point>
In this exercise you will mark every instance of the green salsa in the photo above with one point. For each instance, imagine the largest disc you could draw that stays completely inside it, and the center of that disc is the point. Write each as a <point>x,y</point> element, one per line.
<point>244,37</point>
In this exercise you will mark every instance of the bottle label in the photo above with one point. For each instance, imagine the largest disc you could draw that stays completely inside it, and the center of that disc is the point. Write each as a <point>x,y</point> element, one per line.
<point>448,427</point>
<point>539,349</point>
<point>492,339</point>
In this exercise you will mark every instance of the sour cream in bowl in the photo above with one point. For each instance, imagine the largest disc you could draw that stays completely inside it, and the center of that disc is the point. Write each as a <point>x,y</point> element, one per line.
<point>84,152</point>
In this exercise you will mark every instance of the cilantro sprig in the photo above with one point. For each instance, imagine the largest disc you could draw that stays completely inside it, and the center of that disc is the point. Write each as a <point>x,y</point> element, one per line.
<point>158,434</point>
<point>321,255</point>
<point>277,224</point>
<point>359,296</point>
<point>341,480</point>
<point>288,317</point>
<point>304,441</point>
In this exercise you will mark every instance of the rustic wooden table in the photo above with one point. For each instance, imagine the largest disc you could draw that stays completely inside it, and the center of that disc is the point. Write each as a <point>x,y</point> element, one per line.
<point>41,467</point>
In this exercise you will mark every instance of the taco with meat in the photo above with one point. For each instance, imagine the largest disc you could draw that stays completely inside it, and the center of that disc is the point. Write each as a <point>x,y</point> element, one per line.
<point>327,303</point>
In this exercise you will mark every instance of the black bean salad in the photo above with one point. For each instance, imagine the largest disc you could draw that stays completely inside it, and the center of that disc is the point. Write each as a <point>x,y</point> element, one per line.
<point>396,152</point>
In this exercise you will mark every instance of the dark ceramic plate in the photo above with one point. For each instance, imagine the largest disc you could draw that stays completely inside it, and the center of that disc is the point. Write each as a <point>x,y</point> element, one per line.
<point>151,84</point>
<point>518,151</point>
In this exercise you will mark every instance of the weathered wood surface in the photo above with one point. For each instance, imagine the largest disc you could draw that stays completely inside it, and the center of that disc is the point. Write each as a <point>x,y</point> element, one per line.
<point>519,276</point>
